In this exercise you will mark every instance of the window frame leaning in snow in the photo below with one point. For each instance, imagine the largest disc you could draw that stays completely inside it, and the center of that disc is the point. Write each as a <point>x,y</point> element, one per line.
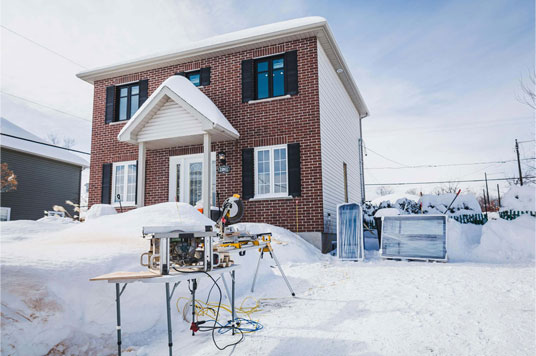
<point>124,192</point>
<point>271,163</point>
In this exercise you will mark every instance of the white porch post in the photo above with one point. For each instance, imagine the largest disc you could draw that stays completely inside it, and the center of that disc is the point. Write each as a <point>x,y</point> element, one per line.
<point>141,175</point>
<point>207,194</point>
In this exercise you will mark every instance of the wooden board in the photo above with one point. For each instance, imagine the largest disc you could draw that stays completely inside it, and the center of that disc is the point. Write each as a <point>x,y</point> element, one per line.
<point>126,275</point>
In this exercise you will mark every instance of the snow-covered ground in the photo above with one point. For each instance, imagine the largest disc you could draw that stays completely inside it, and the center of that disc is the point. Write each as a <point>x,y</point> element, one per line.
<point>480,303</point>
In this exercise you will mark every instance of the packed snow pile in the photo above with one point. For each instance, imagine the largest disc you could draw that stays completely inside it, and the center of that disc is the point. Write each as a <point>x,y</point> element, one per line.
<point>98,210</point>
<point>49,303</point>
<point>387,212</point>
<point>498,241</point>
<point>437,204</point>
<point>520,198</point>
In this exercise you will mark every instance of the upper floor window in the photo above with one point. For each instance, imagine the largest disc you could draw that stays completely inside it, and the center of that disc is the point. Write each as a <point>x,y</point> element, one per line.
<point>194,77</point>
<point>128,101</point>
<point>270,77</point>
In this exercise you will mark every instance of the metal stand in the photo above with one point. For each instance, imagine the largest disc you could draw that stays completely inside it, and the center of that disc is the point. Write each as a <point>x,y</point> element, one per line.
<point>233,300</point>
<point>274,257</point>
<point>168,300</point>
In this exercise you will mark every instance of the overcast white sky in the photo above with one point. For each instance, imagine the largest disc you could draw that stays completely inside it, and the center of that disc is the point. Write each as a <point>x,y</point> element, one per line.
<point>440,77</point>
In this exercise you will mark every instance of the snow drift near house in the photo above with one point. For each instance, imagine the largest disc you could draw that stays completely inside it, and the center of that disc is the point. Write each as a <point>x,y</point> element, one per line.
<point>520,198</point>
<point>393,198</point>
<point>49,302</point>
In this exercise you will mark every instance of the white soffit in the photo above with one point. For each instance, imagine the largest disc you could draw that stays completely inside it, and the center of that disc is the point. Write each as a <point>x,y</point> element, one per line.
<point>250,38</point>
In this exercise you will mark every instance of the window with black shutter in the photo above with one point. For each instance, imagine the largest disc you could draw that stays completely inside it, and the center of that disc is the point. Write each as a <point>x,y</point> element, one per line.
<point>123,101</point>
<point>199,78</point>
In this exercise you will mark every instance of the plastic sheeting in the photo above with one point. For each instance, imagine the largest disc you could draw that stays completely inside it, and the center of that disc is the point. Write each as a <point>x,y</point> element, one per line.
<point>350,232</point>
<point>414,236</point>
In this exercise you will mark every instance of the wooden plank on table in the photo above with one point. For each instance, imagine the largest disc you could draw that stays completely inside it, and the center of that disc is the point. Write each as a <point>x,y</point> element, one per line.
<point>125,275</point>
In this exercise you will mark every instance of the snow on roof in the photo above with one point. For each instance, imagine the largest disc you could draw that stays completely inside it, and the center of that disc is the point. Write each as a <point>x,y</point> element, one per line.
<point>189,93</point>
<point>34,148</point>
<point>244,39</point>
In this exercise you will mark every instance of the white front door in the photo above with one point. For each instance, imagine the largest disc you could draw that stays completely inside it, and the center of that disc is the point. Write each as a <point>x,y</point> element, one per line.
<point>186,178</point>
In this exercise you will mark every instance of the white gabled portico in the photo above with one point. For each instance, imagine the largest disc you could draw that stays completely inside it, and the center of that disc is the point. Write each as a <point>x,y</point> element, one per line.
<point>177,114</point>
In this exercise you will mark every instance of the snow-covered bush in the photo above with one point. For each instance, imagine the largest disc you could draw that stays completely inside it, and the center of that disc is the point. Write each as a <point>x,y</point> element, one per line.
<point>437,204</point>
<point>520,198</point>
<point>98,210</point>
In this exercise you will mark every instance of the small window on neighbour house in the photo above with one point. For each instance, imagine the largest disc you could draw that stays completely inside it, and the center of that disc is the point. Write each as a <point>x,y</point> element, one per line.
<point>124,183</point>
<point>194,77</point>
<point>128,99</point>
<point>270,77</point>
<point>271,178</point>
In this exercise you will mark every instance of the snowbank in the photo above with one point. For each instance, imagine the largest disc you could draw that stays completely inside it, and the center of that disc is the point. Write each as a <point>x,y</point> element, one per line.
<point>387,212</point>
<point>437,204</point>
<point>98,210</point>
<point>49,302</point>
<point>521,198</point>
<point>498,241</point>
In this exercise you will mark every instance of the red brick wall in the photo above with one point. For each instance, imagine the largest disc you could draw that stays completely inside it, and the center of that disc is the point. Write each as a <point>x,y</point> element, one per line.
<point>294,119</point>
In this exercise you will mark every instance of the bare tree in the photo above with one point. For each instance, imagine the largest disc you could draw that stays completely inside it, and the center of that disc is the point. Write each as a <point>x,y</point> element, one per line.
<point>413,191</point>
<point>66,141</point>
<point>384,190</point>
<point>451,187</point>
<point>528,89</point>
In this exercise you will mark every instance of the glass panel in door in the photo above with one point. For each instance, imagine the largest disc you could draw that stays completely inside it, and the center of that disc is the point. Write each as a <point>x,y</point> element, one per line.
<point>196,182</point>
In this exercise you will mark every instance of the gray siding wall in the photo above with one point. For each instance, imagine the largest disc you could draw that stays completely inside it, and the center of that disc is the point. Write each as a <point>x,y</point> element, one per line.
<point>43,183</point>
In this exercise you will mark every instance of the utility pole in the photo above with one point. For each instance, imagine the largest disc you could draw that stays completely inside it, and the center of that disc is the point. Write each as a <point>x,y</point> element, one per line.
<point>485,204</point>
<point>487,190</point>
<point>519,164</point>
<point>499,195</point>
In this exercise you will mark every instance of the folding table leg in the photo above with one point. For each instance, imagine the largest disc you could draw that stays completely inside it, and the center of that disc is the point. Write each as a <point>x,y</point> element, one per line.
<point>170,338</point>
<point>226,288</point>
<point>233,300</point>
<point>280,269</point>
<point>118,309</point>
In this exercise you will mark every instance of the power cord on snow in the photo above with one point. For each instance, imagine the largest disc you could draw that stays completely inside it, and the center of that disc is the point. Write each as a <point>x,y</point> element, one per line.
<point>216,326</point>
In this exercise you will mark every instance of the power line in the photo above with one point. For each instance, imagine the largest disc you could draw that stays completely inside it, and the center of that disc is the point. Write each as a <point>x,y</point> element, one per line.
<point>526,141</point>
<point>43,46</point>
<point>382,156</point>
<point>44,143</point>
<point>46,106</point>
<point>451,164</point>
<point>450,181</point>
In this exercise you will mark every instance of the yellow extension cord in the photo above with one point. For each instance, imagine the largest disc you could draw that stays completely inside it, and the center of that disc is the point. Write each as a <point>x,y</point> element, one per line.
<point>209,310</point>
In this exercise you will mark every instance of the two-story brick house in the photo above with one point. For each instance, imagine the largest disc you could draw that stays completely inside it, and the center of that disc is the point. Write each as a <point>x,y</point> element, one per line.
<point>278,100</point>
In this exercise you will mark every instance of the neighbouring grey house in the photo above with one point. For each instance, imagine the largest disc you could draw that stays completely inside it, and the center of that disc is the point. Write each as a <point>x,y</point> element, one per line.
<point>46,175</point>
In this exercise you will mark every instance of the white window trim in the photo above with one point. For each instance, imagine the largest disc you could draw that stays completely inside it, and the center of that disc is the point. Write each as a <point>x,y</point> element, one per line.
<point>125,183</point>
<point>271,194</point>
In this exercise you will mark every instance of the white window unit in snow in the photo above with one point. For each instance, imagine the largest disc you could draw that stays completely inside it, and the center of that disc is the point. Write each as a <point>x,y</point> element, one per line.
<point>124,177</point>
<point>5,213</point>
<point>271,172</point>
<point>418,237</point>
<point>350,243</point>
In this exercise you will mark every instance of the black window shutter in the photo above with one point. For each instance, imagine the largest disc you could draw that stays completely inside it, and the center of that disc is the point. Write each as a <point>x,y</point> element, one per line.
<point>248,81</point>
<point>144,88</point>
<point>248,184</point>
<point>106,183</point>
<point>204,76</point>
<point>291,65</point>
<point>136,197</point>
<point>294,171</point>
<point>110,104</point>
<point>181,73</point>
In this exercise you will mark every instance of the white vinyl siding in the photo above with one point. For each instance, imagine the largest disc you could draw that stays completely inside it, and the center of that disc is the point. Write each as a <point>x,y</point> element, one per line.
<point>339,138</point>
<point>271,171</point>
<point>124,183</point>
<point>170,120</point>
